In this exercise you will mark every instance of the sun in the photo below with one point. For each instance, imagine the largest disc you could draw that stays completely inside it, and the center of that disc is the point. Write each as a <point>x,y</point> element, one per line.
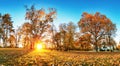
<point>20,46</point>
<point>39,46</point>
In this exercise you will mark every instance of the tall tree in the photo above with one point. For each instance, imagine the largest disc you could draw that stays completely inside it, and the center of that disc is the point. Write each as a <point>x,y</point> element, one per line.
<point>1,29</point>
<point>67,34</point>
<point>63,34</point>
<point>18,35</point>
<point>95,24</point>
<point>111,29</point>
<point>7,27</point>
<point>27,32</point>
<point>40,20</point>
<point>57,40</point>
<point>12,40</point>
<point>71,29</point>
<point>53,32</point>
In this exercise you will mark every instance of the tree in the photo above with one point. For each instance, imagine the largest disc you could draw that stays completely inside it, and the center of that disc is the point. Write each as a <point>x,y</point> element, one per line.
<point>96,25</point>
<point>27,32</point>
<point>7,27</point>
<point>71,29</point>
<point>54,36</point>
<point>18,35</point>
<point>63,35</point>
<point>12,40</point>
<point>111,29</point>
<point>26,42</point>
<point>66,35</point>
<point>57,40</point>
<point>40,20</point>
<point>1,34</point>
<point>1,29</point>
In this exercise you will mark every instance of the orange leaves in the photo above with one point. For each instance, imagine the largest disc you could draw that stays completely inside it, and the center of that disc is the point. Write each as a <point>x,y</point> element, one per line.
<point>89,16</point>
<point>97,25</point>
<point>42,12</point>
<point>96,22</point>
<point>85,41</point>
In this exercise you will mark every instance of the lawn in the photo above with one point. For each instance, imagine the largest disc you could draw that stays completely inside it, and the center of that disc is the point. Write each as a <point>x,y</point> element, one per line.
<point>21,57</point>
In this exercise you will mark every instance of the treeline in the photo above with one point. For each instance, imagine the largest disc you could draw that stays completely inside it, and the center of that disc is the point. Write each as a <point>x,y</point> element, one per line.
<point>96,31</point>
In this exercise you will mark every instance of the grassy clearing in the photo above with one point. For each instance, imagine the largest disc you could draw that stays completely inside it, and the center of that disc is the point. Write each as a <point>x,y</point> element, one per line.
<point>57,58</point>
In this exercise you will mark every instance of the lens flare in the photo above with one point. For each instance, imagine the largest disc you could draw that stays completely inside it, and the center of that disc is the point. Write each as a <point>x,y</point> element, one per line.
<point>39,46</point>
<point>20,46</point>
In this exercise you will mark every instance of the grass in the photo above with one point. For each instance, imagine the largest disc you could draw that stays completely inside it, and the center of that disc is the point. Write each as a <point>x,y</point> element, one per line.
<point>20,57</point>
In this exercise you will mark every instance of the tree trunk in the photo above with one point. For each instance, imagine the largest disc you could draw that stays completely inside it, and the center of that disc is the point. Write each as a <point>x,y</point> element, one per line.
<point>96,48</point>
<point>96,45</point>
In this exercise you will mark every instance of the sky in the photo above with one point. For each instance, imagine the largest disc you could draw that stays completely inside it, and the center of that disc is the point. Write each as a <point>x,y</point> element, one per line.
<point>67,10</point>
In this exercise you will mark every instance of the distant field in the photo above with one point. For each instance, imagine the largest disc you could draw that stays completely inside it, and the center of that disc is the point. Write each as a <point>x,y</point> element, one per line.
<point>21,57</point>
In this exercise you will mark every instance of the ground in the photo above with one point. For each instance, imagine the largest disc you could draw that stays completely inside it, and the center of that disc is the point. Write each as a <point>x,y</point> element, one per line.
<point>22,57</point>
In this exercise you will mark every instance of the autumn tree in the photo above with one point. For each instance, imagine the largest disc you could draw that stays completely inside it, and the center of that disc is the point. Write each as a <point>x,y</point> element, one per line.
<point>7,27</point>
<point>63,34</point>
<point>27,32</point>
<point>40,20</point>
<point>111,29</point>
<point>12,41</point>
<point>1,29</point>
<point>18,35</point>
<point>71,30</point>
<point>1,34</point>
<point>54,35</point>
<point>57,40</point>
<point>66,35</point>
<point>95,24</point>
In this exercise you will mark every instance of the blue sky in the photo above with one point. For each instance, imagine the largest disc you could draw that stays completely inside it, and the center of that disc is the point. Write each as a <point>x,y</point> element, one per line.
<point>67,10</point>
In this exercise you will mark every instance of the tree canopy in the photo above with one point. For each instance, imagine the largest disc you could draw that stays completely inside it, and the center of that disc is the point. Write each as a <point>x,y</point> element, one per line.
<point>97,25</point>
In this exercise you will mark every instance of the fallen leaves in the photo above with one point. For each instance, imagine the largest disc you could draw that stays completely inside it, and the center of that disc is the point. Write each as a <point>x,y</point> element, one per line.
<point>61,58</point>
